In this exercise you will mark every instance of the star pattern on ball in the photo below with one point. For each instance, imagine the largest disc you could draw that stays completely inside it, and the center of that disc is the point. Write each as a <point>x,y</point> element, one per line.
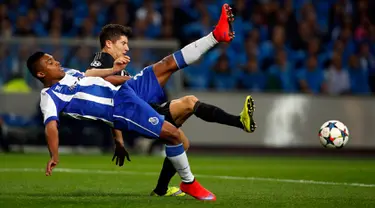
<point>329,139</point>
<point>333,134</point>
<point>331,125</point>
<point>320,132</point>
<point>344,134</point>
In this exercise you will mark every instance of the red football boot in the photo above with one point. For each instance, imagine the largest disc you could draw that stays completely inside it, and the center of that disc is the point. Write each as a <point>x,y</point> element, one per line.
<point>197,191</point>
<point>223,31</point>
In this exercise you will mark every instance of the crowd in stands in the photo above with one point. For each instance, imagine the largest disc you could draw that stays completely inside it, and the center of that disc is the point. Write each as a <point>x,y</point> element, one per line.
<point>310,46</point>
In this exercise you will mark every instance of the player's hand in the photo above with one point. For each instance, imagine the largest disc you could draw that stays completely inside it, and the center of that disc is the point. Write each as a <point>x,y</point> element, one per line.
<point>120,154</point>
<point>120,64</point>
<point>52,163</point>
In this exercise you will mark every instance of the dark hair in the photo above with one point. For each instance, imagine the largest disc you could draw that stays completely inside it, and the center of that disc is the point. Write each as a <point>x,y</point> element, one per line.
<point>32,62</point>
<point>113,32</point>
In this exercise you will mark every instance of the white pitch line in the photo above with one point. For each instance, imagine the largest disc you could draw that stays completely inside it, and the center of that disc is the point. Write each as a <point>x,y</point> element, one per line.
<point>112,172</point>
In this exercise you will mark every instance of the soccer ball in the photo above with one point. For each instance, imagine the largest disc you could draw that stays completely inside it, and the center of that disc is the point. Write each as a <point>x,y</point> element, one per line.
<point>333,134</point>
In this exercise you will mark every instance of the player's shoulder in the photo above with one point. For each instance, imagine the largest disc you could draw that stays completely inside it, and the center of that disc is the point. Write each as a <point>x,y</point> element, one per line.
<point>45,93</point>
<point>101,60</point>
<point>73,72</point>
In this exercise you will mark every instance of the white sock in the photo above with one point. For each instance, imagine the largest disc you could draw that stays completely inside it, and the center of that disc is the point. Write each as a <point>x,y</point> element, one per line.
<point>176,154</point>
<point>192,52</point>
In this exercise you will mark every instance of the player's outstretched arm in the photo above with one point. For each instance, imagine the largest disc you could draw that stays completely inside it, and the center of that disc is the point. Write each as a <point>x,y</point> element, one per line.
<point>52,135</point>
<point>117,79</point>
<point>120,151</point>
<point>117,136</point>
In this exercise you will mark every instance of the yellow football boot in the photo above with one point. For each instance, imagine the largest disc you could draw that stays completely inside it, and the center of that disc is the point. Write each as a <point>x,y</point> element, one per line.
<point>172,191</point>
<point>246,116</point>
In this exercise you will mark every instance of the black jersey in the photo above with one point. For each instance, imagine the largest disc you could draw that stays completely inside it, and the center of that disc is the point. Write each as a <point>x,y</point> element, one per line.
<point>103,60</point>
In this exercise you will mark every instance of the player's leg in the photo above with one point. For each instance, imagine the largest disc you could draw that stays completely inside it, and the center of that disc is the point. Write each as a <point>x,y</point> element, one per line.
<point>189,54</point>
<point>148,122</point>
<point>178,111</point>
<point>166,174</point>
<point>181,109</point>
<point>168,171</point>
<point>149,82</point>
<point>177,156</point>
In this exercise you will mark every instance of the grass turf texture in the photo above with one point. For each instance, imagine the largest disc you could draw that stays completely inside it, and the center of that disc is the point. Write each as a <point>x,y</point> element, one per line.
<point>94,181</point>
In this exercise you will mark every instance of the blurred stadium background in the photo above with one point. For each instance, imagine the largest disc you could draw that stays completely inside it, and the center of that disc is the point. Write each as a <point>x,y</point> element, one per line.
<point>305,62</point>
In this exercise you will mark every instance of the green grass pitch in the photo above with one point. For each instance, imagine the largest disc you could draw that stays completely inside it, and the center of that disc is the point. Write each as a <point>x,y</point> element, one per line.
<point>94,181</point>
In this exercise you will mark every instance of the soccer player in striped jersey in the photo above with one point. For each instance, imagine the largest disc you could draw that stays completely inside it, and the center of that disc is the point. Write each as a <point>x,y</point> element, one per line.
<point>87,96</point>
<point>114,43</point>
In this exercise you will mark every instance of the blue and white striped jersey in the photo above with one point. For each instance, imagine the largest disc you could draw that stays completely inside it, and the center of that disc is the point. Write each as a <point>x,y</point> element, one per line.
<point>80,97</point>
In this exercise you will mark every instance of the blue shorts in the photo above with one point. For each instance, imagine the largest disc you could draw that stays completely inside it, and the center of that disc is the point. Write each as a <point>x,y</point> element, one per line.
<point>131,109</point>
<point>146,86</point>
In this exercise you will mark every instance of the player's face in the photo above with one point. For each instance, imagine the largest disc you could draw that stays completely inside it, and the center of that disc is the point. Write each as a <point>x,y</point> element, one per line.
<point>120,47</point>
<point>50,68</point>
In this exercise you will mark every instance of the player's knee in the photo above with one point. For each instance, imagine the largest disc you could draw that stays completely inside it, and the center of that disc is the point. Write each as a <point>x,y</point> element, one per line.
<point>189,102</point>
<point>175,137</point>
<point>170,135</point>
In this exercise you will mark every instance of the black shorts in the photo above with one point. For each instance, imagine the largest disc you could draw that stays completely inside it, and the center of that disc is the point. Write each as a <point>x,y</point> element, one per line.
<point>163,109</point>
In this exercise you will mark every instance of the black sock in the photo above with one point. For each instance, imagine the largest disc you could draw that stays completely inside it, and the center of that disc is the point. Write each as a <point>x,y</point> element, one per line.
<point>212,113</point>
<point>166,174</point>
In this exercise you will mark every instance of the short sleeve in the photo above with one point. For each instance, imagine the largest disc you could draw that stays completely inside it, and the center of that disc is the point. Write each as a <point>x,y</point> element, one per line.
<point>49,108</point>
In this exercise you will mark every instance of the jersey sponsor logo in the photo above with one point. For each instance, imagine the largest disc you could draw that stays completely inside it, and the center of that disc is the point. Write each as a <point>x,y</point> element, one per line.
<point>96,63</point>
<point>153,120</point>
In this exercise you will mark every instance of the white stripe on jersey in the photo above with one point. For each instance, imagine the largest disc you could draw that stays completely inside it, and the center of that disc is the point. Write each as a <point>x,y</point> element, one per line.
<point>65,98</point>
<point>81,117</point>
<point>84,96</point>
<point>79,97</point>
<point>88,81</point>
<point>88,97</point>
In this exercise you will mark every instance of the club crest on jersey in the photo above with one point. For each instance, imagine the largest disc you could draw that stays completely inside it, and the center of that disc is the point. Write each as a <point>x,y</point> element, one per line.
<point>96,63</point>
<point>153,120</point>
